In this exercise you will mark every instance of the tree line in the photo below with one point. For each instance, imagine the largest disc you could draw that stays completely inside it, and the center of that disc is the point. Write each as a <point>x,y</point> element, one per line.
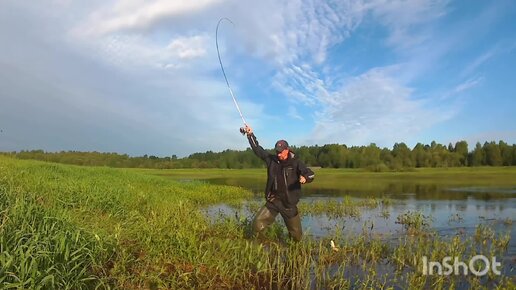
<point>370,157</point>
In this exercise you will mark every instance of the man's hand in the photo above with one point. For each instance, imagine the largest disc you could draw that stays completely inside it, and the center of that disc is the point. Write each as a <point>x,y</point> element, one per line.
<point>302,179</point>
<point>248,130</point>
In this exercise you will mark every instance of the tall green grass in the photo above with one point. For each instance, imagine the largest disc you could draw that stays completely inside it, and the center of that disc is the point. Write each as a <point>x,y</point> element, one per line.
<point>40,248</point>
<point>68,227</point>
<point>76,227</point>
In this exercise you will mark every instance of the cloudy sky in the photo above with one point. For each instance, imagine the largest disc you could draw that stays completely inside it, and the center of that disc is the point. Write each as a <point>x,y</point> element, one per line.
<point>143,77</point>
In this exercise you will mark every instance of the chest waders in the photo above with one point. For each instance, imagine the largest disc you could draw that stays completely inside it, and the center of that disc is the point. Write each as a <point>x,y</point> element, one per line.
<point>265,217</point>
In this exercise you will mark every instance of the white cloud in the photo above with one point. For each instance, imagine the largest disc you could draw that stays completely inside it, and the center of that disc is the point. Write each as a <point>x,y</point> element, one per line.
<point>406,19</point>
<point>189,47</point>
<point>111,93</point>
<point>377,105</point>
<point>373,107</point>
<point>296,31</point>
<point>475,64</point>
<point>140,14</point>
<point>300,84</point>
<point>164,46</point>
<point>459,89</point>
<point>293,35</point>
<point>135,51</point>
<point>468,84</point>
<point>140,34</point>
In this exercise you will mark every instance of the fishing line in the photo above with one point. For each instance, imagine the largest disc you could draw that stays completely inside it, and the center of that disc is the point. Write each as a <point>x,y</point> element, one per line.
<point>222,67</point>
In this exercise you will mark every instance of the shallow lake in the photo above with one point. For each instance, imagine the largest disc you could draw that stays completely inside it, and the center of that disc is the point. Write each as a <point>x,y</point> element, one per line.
<point>452,208</point>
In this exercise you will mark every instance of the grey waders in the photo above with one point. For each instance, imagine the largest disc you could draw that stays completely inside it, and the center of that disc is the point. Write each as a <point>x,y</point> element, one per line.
<point>294,227</point>
<point>265,217</point>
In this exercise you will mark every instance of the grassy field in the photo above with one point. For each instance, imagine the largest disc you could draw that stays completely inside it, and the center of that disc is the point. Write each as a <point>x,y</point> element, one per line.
<point>342,177</point>
<point>70,227</point>
<point>427,182</point>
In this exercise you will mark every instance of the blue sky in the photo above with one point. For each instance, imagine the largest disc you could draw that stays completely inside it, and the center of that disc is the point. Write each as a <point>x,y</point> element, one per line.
<point>142,77</point>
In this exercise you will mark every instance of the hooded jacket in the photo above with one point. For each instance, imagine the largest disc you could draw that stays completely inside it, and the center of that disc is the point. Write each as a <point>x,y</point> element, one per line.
<point>291,169</point>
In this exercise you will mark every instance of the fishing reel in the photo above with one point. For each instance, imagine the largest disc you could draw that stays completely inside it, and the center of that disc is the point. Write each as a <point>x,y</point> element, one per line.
<point>242,130</point>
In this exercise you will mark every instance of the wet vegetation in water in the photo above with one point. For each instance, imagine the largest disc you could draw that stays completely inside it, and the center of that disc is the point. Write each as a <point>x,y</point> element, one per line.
<point>68,227</point>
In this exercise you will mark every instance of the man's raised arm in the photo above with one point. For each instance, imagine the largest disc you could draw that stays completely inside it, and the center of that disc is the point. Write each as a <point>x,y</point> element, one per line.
<point>257,149</point>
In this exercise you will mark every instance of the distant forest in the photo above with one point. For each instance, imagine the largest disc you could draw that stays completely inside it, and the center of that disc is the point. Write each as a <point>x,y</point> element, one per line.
<point>330,156</point>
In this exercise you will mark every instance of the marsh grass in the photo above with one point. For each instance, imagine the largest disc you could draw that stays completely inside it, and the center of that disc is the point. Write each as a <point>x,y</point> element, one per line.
<point>424,181</point>
<point>414,222</point>
<point>68,227</point>
<point>335,209</point>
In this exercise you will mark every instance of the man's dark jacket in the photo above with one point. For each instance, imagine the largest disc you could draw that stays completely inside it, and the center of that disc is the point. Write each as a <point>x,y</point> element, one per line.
<point>292,169</point>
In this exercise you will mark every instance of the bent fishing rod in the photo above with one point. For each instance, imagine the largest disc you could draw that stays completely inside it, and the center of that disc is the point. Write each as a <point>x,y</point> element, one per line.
<point>242,130</point>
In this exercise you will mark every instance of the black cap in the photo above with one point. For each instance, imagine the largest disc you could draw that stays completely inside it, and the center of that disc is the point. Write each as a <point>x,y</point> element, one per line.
<point>281,145</point>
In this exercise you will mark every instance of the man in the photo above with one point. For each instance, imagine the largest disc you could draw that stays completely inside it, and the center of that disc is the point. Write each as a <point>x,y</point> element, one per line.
<point>285,174</point>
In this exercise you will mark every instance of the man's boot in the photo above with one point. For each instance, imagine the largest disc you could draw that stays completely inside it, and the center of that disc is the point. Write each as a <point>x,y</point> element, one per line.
<point>264,217</point>
<point>294,227</point>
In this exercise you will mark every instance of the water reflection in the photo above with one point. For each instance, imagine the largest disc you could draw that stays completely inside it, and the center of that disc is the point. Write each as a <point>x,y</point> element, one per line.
<point>404,190</point>
<point>452,209</point>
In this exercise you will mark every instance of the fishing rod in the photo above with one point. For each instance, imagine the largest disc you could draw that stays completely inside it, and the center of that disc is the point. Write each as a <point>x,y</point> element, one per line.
<point>242,130</point>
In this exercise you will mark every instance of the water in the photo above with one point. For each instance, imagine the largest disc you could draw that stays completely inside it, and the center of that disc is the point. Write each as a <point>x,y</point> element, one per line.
<point>453,209</point>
